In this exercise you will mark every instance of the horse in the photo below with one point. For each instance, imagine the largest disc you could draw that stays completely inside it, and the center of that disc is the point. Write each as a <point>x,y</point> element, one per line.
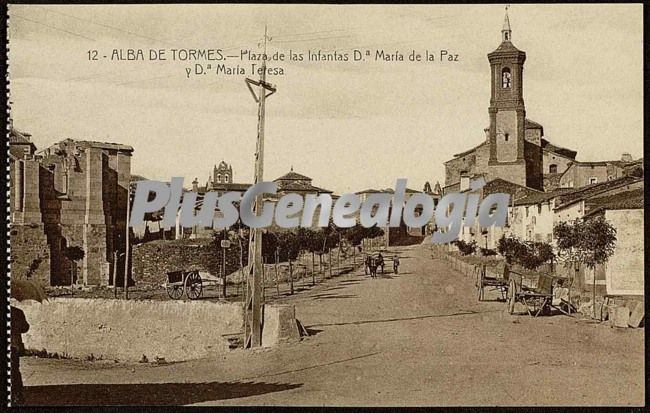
<point>380,262</point>
<point>372,266</point>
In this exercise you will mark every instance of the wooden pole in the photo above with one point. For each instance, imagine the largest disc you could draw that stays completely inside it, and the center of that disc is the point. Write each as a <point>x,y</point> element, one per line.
<point>329,258</point>
<point>593,295</point>
<point>115,272</point>
<point>264,279</point>
<point>291,275</point>
<point>255,297</point>
<point>338,256</point>
<point>223,269</point>
<point>241,263</point>
<point>127,248</point>
<point>313,269</point>
<point>277,274</point>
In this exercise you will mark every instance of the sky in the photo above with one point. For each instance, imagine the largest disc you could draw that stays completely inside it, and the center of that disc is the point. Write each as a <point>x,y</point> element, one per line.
<point>350,126</point>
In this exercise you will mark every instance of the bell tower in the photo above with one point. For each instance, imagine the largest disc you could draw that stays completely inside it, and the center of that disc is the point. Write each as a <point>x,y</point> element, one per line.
<point>507,111</point>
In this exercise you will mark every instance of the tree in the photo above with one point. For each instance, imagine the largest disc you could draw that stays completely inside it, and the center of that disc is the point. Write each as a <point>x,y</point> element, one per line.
<point>511,248</point>
<point>590,242</point>
<point>529,255</point>
<point>310,241</point>
<point>288,243</point>
<point>355,235</point>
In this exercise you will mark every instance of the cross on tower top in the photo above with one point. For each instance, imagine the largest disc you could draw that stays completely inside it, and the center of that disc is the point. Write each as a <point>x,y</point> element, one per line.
<point>506,31</point>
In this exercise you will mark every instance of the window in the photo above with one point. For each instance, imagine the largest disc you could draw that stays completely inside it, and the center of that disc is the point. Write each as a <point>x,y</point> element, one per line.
<point>593,180</point>
<point>506,136</point>
<point>218,178</point>
<point>552,168</point>
<point>226,178</point>
<point>506,78</point>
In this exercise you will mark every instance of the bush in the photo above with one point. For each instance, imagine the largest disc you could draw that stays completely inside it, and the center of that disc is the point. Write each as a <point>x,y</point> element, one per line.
<point>529,255</point>
<point>465,248</point>
<point>487,252</point>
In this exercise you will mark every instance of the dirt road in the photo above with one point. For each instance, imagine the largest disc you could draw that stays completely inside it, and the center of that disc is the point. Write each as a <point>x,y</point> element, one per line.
<point>415,338</point>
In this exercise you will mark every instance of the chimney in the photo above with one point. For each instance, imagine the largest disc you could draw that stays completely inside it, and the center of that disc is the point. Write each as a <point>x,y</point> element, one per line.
<point>626,157</point>
<point>464,182</point>
<point>195,185</point>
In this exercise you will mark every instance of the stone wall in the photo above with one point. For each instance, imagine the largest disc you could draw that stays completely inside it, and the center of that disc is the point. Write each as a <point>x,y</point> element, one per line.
<point>625,269</point>
<point>76,192</point>
<point>126,330</point>
<point>152,260</point>
<point>30,254</point>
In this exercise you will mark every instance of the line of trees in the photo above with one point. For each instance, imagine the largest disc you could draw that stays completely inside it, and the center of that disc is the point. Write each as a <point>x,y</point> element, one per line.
<point>288,245</point>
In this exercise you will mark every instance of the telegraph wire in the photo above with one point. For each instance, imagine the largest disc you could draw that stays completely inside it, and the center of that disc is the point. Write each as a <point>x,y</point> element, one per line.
<point>53,27</point>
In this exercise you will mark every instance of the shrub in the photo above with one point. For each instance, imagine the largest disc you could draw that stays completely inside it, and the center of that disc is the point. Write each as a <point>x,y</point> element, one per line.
<point>529,255</point>
<point>465,248</point>
<point>487,252</point>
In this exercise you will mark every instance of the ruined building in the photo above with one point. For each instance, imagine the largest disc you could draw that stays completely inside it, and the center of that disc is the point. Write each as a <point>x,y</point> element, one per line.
<point>72,194</point>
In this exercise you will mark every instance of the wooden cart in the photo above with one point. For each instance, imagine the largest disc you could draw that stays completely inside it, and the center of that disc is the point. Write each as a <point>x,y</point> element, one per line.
<point>535,295</point>
<point>189,282</point>
<point>381,264</point>
<point>499,280</point>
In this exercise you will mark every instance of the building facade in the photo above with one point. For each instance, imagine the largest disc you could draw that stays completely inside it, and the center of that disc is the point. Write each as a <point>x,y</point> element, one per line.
<point>71,194</point>
<point>514,147</point>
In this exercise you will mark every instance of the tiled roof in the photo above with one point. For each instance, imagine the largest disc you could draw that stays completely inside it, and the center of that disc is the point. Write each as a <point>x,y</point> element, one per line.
<point>633,199</point>
<point>529,124</point>
<point>548,146</point>
<point>624,164</point>
<point>538,198</point>
<point>407,190</point>
<point>498,185</point>
<point>467,152</point>
<point>301,186</point>
<point>293,176</point>
<point>368,191</point>
<point>588,191</point>
<point>506,46</point>
<point>233,186</point>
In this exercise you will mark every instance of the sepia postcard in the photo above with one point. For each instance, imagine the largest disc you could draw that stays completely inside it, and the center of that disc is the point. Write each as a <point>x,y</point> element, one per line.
<point>345,205</point>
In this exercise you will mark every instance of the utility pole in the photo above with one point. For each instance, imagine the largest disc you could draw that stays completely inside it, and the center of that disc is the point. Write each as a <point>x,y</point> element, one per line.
<point>253,302</point>
<point>127,248</point>
<point>223,266</point>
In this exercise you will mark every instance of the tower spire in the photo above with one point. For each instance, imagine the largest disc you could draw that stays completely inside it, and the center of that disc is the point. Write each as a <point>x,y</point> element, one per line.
<point>506,31</point>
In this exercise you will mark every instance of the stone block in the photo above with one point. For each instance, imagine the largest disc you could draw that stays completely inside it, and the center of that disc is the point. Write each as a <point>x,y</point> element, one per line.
<point>619,316</point>
<point>637,314</point>
<point>279,324</point>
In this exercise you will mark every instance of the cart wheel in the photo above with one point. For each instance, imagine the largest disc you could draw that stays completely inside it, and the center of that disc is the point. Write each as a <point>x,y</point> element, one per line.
<point>193,285</point>
<point>175,291</point>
